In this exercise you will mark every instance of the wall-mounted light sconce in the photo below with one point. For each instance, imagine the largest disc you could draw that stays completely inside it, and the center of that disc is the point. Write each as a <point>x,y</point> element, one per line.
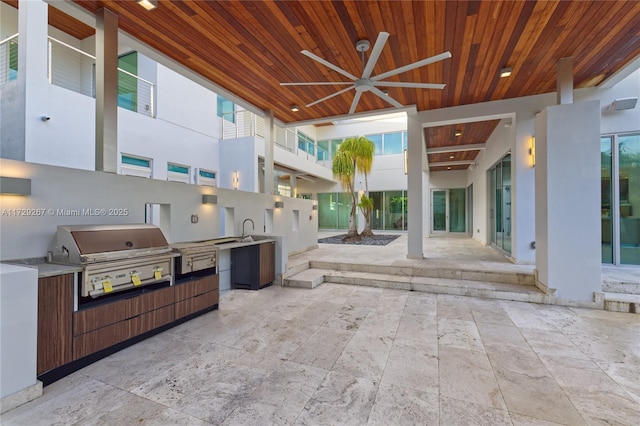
<point>148,4</point>
<point>406,162</point>
<point>235,180</point>
<point>279,204</point>
<point>532,151</point>
<point>209,199</point>
<point>15,186</point>
<point>295,108</point>
<point>622,104</point>
<point>505,72</point>
<point>314,207</point>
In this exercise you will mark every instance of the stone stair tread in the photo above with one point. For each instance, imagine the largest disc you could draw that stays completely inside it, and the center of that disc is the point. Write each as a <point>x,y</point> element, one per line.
<point>621,297</point>
<point>443,282</point>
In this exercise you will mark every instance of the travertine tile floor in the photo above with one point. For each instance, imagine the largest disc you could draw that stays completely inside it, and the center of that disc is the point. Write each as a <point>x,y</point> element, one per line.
<point>343,355</point>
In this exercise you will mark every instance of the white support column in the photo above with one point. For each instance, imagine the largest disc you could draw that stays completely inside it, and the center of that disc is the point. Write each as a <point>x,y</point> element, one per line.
<point>565,81</point>
<point>415,155</point>
<point>567,194</point>
<point>106,91</point>
<point>24,102</point>
<point>294,185</point>
<point>269,140</point>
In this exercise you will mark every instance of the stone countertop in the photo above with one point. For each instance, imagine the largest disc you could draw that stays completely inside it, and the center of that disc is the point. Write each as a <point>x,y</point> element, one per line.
<point>237,244</point>
<point>45,269</point>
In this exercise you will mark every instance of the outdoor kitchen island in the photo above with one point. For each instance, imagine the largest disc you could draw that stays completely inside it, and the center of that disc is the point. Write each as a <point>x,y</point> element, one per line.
<point>75,330</point>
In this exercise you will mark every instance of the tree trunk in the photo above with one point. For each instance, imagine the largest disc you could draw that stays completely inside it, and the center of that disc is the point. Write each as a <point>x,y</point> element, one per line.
<point>367,232</point>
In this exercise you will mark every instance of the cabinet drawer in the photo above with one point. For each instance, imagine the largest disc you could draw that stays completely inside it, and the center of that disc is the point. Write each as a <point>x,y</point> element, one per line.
<point>196,287</point>
<point>111,313</point>
<point>196,304</point>
<point>104,315</point>
<point>110,335</point>
<point>203,301</point>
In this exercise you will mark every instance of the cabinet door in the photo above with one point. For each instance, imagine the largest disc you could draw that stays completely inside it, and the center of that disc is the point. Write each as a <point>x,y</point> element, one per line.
<point>55,310</point>
<point>267,263</point>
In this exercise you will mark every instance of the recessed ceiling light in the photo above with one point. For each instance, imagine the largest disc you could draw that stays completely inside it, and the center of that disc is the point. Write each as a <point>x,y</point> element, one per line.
<point>148,4</point>
<point>295,108</point>
<point>505,72</point>
<point>448,168</point>
<point>458,133</point>
<point>451,157</point>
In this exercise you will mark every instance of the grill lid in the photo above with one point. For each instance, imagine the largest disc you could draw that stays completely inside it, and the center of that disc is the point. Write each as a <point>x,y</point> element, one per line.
<point>85,243</point>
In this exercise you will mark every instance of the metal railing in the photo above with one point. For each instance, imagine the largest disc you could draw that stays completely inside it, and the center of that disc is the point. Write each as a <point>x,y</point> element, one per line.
<point>74,69</point>
<point>9,59</point>
<point>244,123</point>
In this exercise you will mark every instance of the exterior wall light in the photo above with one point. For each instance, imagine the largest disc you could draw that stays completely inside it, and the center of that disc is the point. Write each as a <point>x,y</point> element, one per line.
<point>532,151</point>
<point>15,186</point>
<point>235,181</point>
<point>279,204</point>
<point>209,199</point>
<point>315,207</point>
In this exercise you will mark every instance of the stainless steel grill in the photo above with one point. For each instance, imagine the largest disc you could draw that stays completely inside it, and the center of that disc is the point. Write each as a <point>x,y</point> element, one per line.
<point>115,257</point>
<point>195,256</point>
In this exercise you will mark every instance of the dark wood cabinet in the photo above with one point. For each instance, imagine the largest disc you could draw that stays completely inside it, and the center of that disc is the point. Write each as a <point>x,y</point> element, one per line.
<point>267,263</point>
<point>253,267</point>
<point>55,308</point>
<point>106,325</point>
<point>196,295</point>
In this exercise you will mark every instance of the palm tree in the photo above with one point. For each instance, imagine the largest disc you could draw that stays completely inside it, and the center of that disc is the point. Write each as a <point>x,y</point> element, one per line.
<point>355,155</point>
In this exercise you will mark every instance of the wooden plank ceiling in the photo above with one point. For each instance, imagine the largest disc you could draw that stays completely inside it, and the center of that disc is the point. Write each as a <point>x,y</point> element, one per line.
<point>455,135</point>
<point>249,47</point>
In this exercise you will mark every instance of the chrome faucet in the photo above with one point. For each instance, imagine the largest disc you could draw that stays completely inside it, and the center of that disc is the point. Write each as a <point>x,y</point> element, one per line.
<point>253,226</point>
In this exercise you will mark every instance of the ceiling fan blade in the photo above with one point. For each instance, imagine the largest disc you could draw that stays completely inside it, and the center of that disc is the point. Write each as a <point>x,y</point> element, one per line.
<point>375,54</point>
<point>414,65</point>
<point>318,83</point>
<point>331,96</point>
<point>328,64</point>
<point>354,104</point>
<point>386,97</point>
<point>409,85</point>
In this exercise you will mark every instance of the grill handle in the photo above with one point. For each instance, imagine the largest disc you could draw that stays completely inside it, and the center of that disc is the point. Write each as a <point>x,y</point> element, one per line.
<point>100,292</point>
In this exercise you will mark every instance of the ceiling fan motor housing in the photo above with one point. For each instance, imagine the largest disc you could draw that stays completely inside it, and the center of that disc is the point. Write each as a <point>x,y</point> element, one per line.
<point>363,45</point>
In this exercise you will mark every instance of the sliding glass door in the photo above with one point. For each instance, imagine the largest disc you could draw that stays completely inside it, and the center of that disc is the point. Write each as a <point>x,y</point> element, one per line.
<point>448,210</point>
<point>500,204</point>
<point>620,199</point>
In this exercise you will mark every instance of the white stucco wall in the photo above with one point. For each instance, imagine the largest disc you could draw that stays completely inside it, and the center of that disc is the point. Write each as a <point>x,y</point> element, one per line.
<point>65,188</point>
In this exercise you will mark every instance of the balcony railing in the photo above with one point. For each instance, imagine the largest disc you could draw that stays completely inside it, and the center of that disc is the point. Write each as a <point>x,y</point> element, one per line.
<point>9,59</point>
<point>75,70</point>
<point>243,123</point>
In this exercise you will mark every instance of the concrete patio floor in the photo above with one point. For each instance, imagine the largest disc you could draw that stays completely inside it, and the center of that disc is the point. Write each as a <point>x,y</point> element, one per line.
<point>350,355</point>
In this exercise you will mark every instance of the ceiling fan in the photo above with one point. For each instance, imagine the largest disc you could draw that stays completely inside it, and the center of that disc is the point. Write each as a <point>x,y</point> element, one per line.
<point>367,83</point>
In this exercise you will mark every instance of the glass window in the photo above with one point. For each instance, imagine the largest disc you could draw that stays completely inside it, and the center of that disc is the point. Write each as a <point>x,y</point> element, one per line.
<point>629,196</point>
<point>178,173</point>
<point>335,145</point>
<point>327,214</point>
<point>323,150</point>
<point>136,161</point>
<point>605,199</point>
<point>13,60</point>
<point>457,210</point>
<point>393,143</point>
<point>395,210</point>
<point>377,141</point>
<point>127,82</point>
<point>305,143</point>
<point>226,109</point>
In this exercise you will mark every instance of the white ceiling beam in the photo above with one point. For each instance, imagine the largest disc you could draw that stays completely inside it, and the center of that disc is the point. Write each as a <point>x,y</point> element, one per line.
<point>457,148</point>
<point>451,163</point>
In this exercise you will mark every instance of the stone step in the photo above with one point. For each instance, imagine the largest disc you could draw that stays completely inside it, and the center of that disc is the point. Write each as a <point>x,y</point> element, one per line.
<point>430,271</point>
<point>495,290</point>
<point>309,278</point>
<point>621,287</point>
<point>622,302</point>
